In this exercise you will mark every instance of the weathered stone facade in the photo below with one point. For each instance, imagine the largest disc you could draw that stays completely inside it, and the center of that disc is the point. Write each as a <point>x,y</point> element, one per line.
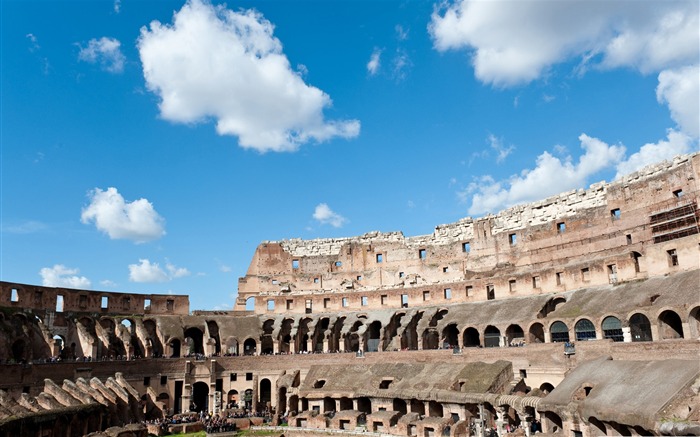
<point>426,335</point>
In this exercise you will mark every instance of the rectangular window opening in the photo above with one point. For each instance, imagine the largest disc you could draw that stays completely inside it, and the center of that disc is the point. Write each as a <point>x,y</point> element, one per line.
<point>422,254</point>
<point>615,214</point>
<point>426,295</point>
<point>445,269</point>
<point>404,301</point>
<point>561,227</point>
<point>629,239</point>
<point>295,264</point>
<point>249,376</point>
<point>83,301</point>
<point>359,277</point>
<point>169,305</point>
<point>14,297</point>
<point>535,282</point>
<point>469,290</point>
<point>466,247</point>
<point>344,302</point>
<point>612,273</point>
<point>326,302</point>
<point>290,304</point>
<point>163,379</point>
<point>490,292</point>
<point>126,303</point>
<point>146,381</point>
<point>104,304</point>
<point>401,274</point>
<point>512,285</point>
<point>678,193</point>
<point>513,239</point>
<point>308,306</point>
<point>585,274</point>
<point>447,293</point>
<point>380,257</point>
<point>316,280</point>
<point>59,303</point>
<point>672,257</point>
<point>271,305</point>
<point>363,301</point>
<point>383,299</point>
<point>147,304</point>
<point>233,377</point>
<point>559,277</point>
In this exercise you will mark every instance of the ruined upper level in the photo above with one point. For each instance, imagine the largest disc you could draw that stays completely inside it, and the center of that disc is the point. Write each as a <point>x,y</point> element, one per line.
<point>642,225</point>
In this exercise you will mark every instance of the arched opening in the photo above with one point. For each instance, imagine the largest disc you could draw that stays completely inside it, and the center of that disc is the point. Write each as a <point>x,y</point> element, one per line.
<point>294,404</point>
<point>345,403</point>
<point>156,345</point>
<point>266,393</point>
<point>559,332</point>
<point>553,422</point>
<point>546,388</point>
<point>585,330</point>
<point>285,337</point>
<point>282,401</point>
<point>320,334</point>
<point>399,405</point>
<point>18,351</point>
<point>249,347</point>
<point>196,345</point>
<point>373,336</point>
<point>266,345</point>
<point>213,328</point>
<point>450,336</point>
<point>670,325</point>
<point>430,339</point>
<point>612,328</point>
<point>492,336</point>
<point>640,327</point>
<point>352,342</point>
<point>417,407</point>
<point>200,397</point>
<point>248,399</point>
<point>175,347</point>
<point>515,335</point>
<point>694,322</point>
<point>550,306</point>
<point>536,332</point>
<point>231,346</point>
<point>328,404</point>
<point>364,405</point>
<point>250,304</point>
<point>597,426</point>
<point>232,399</point>
<point>164,399</point>
<point>471,338</point>
<point>59,344</point>
<point>434,409</point>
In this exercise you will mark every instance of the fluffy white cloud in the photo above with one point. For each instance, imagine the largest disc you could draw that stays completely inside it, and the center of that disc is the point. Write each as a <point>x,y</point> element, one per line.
<point>214,63</point>
<point>61,276</point>
<point>146,271</point>
<point>325,215</point>
<point>550,176</point>
<point>106,52</point>
<point>136,221</point>
<point>680,89</point>
<point>374,62</point>
<point>677,143</point>
<point>516,42</point>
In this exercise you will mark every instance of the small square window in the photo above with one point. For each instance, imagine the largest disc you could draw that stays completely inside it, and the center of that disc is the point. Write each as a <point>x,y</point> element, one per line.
<point>275,282</point>
<point>316,281</point>
<point>359,277</point>
<point>490,292</point>
<point>678,193</point>
<point>561,227</point>
<point>326,302</point>
<point>383,299</point>
<point>466,247</point>
<point>249,376</point>
<point>338,263</point>
<point>363,301</point>
<point>422,254</point>
<point>469,290</point>
<point>513,239</point>
<point>169,305</point>
<point>163,379</point>
<point>295,264</point>
<point>512,285</point>
<point>404,301</point>
<point>447,293</point>
<point>344,302</point>
<point>535,282</point>
<point>234,377</point>
<point>672,257</point>
<point>401,274</point>
<point>380,257</point>
<point>559,277</point>
<point>523,373</point>
<point>271,305</point>
<point>290,304</point>
<point>585,274</point>
<point>146,381</point>
<point>445,269</point>
<point>426,295</point>
<point>615,214</point>
<point>14,297</point>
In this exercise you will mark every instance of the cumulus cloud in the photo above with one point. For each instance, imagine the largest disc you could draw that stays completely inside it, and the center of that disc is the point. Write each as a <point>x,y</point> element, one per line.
<point>105,51</point>
<point>680,90</point>
<point>551,175</point>
<point>137,221</point>
<point>146,271</point>
<point>517,42</point>
<point>325,215</point>
<point>214,63</point>
<point>61,276</point>
<point>374,62</point>
<point>677,143</point>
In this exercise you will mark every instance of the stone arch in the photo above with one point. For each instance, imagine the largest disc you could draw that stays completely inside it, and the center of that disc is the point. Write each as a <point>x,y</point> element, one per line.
<point>200,397</point>
<point>435,409</point>
<point>250,346</point>
<point>345,404</point>
<point>232,398</point>
<point>294,403</point>
<point>285,336</point>
<point>399,405</point>
<point>175,347</point>
<point>19,351</point>
<point>694,322</point>
<point>417,406</point>
<point>670,325</point>
<point>536,333</point>
<point>598,427</point>
<point>550,306</point>
<point>559,332</point>
<point>265,393</point>
<point>409,337</point>
<point>320,334</point>
<point>364,404</point>
<point>492,336</point>
<point>640,327</point>
<point>584,330</point>
<point>302,337</point>
<point>450,336</point>
<point>335,335</point>
<point>471,338</point>
<point>152,331</point>
<point>546,388</point>
<point>612,328</point>
<point>231,346</point>
<point>213,329</point>
<point>373,336</point>
<point>196,342</point>
<point>250,304</point>
<point>164,399</point>
<point>514,335</point>
<point>431,339</point>
<point>328,404</point>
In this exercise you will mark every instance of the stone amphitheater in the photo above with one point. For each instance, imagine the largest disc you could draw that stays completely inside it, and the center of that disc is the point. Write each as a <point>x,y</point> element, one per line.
<point>577,315</point>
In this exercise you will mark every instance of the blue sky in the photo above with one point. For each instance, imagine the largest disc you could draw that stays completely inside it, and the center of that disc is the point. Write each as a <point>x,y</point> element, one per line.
<point>150,146</point>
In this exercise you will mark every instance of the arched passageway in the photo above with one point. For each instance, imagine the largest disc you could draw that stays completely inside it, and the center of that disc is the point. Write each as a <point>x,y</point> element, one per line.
<point>373,336</point>
<point>515,335</point>
<point>559,332</point>
<point>585,330</point>
<point>536,333</point>
<point>694,322</point>
<point>670,325</point>
<point>175,348</point>
<point>265,394</point>
<point>249,347</point>
<point>471,338</point>
<point>640,327</point>
<point>195,344</point>
<point>431,339</point>
<point>450,336</point>
<point>492,336</point>
<point>612,328</point>
<point>200,397</point>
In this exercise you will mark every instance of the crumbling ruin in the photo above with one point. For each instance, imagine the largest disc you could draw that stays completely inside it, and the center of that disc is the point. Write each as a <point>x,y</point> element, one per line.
<point>580,311</point>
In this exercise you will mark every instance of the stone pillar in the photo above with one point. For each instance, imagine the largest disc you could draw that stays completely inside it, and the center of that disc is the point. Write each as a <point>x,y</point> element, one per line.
<point>341,345</point>
<point>275,346</point>
<point>309,345</point>
<point>547,337</point>
<point>258,347</point>
<point>460,340</point>
<point>325,344</point>
<point>420,343</point>
<point>500,421</point>
<point>626,334</point>
<point>655,334</point>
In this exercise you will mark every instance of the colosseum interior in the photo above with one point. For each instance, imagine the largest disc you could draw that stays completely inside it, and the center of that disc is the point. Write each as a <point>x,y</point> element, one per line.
<point>577,315</point>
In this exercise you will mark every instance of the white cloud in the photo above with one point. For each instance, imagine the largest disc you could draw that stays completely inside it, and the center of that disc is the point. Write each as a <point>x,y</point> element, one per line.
<point>33,42</point>
<point>146,271</point>
<point>107,283</point>
<point>324,215</point>
<point>374,62</point>
<point>677,143</point>
<point>104,51</point>
<point>550,176</point>
<point>402,62</point>
<point>136,221</point>
<point>117,6</point>
<point>401,33</point>
<point>61,276</point>
<point>517,42</point>
<point>680,90</point>
<point>214,63</point>
<point>28,227</point>
<point>502,151</point>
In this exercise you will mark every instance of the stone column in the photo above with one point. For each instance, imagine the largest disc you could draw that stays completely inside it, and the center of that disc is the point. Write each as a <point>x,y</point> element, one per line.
<point>275,346</point>
<point>325,344</point>
<point>547,337</point>
<point>626,334</point>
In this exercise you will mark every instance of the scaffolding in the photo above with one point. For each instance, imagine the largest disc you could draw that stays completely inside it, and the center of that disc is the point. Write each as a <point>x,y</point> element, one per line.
<point>674,222</point>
